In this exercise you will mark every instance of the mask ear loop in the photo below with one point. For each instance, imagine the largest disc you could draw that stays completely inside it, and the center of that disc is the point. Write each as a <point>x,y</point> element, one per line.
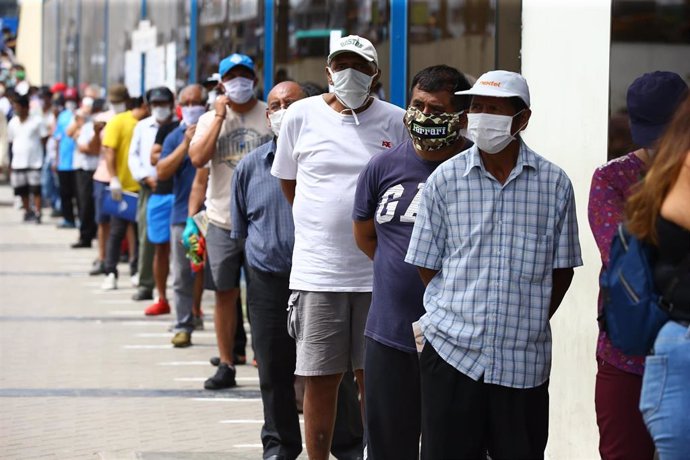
<point>514,136</point>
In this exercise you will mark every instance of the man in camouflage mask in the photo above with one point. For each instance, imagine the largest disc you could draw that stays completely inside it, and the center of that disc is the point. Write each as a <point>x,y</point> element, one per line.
<point>386,203</point>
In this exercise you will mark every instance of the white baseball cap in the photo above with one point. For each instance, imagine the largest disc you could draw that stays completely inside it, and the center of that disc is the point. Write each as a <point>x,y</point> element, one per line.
<point>500,83</point>
<point>355,44</point>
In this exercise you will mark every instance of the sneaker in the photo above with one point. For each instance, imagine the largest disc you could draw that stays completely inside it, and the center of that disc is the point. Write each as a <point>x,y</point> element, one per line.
<point>224,378</point>
<point>182,339</point>
<point>38,219</point>
<point>198,323</point>
<point>55,213</point>
<point>143,294</point>
<point>134,279</point>
<point>98,268</point>
<point>81,244</point>
<point>110,282</point>
<point>29,216</point>
<point>162,307</point>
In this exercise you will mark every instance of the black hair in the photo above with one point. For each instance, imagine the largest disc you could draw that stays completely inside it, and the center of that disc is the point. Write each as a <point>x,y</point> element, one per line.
<point>98,105</point>
<point>443,78</point>
<point>135,102</point>
<point>311,89</point>
<point>22,100</point>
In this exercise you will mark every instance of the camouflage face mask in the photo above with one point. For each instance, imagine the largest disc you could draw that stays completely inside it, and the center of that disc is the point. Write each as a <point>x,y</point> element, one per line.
<point>432,132</point>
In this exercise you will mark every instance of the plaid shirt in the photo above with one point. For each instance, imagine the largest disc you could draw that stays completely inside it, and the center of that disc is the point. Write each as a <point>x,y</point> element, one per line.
<point>495,246</point>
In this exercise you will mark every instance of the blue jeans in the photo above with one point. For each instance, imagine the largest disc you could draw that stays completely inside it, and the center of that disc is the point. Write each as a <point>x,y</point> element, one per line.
<point>50,186</point>
<point>665,399</point>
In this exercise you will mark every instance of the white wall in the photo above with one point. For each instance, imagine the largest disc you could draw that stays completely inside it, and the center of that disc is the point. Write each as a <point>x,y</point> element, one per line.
<point>565,59</point>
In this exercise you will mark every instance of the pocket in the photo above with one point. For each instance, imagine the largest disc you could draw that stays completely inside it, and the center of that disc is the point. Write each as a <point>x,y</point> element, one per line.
<point>292,316</point>
<point>653,385</point>
<point>531,255</point>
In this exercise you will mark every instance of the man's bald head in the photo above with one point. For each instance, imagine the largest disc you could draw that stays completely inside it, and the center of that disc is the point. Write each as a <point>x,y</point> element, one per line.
<point>283,94</point>
<point>194,94</point>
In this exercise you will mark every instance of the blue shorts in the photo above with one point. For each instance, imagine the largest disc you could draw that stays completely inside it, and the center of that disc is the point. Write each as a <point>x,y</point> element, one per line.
<point>158,213</point>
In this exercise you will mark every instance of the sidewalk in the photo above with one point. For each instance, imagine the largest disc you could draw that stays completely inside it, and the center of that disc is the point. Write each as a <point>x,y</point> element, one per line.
<point>84,374</point>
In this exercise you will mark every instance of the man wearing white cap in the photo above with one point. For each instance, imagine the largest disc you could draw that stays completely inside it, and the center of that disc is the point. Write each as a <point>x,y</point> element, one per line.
<point>495,241</point>
<point>324,143</point>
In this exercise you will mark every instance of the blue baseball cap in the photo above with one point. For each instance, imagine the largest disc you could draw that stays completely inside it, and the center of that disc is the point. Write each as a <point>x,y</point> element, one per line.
<point>234,60</point>
<point>652,100</point>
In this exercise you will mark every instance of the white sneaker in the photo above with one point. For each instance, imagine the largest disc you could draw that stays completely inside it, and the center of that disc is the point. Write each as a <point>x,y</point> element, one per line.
<point>109,283</point>
<point>134,279</point>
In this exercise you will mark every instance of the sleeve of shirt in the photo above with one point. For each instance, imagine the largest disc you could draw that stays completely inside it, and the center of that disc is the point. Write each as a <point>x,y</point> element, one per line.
<point>285,161</point>
<point>566,240</point>
<point>366,193</point>
<point>136,167</point>
<point>238,202</point>
<point>604,211</point>
<point>428,240</point>
<point>169,144</point>
<point>111,135</point>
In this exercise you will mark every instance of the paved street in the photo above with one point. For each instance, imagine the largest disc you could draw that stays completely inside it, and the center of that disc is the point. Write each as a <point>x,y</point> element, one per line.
<point>84,374</point>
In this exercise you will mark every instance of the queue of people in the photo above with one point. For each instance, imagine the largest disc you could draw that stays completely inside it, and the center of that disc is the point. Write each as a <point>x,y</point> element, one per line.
<point>402,266</point>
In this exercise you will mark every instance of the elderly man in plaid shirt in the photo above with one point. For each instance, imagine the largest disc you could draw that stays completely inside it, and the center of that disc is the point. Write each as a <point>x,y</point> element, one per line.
<point>495,242</point>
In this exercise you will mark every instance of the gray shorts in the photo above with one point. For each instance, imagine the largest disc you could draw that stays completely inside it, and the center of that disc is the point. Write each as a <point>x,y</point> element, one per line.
<point>224,259</point>
<point>329,330</point>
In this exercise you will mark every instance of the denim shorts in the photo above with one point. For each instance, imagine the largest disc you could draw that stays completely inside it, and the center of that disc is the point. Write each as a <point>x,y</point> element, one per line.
<point>665,398</point>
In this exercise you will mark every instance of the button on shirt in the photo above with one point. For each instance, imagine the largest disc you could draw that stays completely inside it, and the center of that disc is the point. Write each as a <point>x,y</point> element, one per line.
<point>139,160</point>
<point>495,246</point>
<point>261,214</point>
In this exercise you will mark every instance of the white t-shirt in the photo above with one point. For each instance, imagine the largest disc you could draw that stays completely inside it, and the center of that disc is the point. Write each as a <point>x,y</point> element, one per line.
<point>27,150</point>
<point>81,159</point>
<point>239,135</point>
<point>325,151</point>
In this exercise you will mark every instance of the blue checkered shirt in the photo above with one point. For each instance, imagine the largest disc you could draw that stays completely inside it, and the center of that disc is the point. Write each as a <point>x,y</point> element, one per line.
<point>495,246</point>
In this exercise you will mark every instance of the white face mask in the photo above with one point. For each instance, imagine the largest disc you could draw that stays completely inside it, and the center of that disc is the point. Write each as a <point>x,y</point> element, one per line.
<point>191,114</point>
<point>351,87</point>
<point>71,106</point>
<point>161,113</point>
<point>276,119</point>
<point>118,107</point>
<point>87,102</point>
<point>212,95</point>
<point>490,132</point>
<point>239,89</point>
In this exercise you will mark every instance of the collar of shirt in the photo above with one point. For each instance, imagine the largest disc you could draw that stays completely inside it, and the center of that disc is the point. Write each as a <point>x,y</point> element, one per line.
<point>526,157</point>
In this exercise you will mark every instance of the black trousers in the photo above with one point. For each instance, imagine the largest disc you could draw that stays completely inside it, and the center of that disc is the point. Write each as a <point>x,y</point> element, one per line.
<point>465,419</point>
<point>118,230</point>
<point>87,209</point>
<point>68,193</point>
<point>267,298</point>
<point>392,403</point>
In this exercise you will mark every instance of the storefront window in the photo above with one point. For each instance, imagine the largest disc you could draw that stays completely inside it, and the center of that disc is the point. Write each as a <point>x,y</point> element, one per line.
<point>457,33</point>
<point>304,28</point>
<point>645,36</point>
<point>226,27</point>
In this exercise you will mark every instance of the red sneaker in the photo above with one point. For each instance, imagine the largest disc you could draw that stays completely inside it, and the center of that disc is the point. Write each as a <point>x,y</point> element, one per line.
<point>162,307</point>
